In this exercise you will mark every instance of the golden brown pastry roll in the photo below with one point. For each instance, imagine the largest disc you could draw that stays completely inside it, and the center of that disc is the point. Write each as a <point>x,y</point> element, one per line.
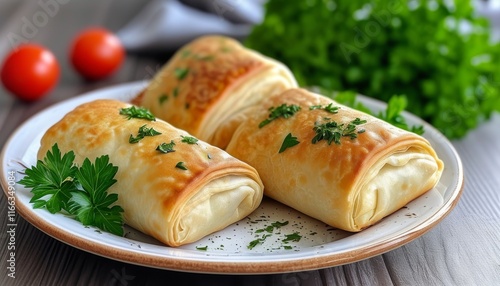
<point>179,193</point>
<point>336,164</point>
<point>209,81</point>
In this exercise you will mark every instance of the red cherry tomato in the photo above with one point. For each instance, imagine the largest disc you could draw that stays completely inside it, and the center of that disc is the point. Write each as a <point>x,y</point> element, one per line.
<point>30,71</point>
<point>96,53</point>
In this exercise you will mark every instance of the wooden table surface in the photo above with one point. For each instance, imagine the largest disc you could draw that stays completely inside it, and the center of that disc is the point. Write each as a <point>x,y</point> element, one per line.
<point>463,249</point>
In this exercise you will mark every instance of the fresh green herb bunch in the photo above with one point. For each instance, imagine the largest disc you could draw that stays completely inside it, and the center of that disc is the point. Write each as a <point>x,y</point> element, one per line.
<point>60,186</point>
<point>437,53</point>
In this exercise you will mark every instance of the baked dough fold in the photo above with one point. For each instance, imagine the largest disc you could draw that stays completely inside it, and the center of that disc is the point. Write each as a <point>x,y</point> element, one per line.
<point>350,185</point>
<point>209,81</point>
<point>174,205</point>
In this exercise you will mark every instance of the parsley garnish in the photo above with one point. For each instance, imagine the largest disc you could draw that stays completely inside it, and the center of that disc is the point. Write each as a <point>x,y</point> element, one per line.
<point>92,205</point>
<point>331,131</point>
<point>289,141</point>
<point>269,229</point>
<point>189,139</point>
<point>166,148</point>
<point>204,248</point>
<point>180,165</point>
<point>137,112</point>
<point>52,180</point>
<point>143,132</point>
<point>181,73</point>
<point>329,108</point>
<point>257,241</point>
<point>292,237</point>
<point>285,111</point>
<point>163,98</point>
<point>58,184</point>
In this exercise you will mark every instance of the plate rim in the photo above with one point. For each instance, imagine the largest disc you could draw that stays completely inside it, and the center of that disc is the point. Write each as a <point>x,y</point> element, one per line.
<point>319,261</point>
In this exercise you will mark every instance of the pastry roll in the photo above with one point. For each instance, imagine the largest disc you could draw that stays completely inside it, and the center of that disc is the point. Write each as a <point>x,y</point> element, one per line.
<point>177,194</point>
<point>336,164</point>
<point>209,81</point>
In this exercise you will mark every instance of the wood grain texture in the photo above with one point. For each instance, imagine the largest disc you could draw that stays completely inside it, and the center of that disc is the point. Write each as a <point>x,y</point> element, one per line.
<point>464,249</point>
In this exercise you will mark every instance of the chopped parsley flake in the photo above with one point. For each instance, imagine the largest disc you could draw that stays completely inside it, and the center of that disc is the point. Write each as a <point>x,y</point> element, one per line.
<point>166,148</point>
<point>180,165</point>
<point>181,73</point>
<point>162,98</point>
<point>332,131</point>
<point>284,110</point>
<point>143,132</point>
<point>292,237</point>
<point>137,112</point>
<point>288,142</point>
<point>329,108</point>
<point>189,139</point>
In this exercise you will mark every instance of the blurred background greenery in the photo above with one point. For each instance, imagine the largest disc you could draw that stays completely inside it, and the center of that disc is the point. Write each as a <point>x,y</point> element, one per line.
<point>438,55</point>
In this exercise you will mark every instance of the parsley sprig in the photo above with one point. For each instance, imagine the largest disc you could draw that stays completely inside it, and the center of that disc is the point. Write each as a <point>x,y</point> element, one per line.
<point>59,185</point>
<point>92,205</point>
<point>284,110</point>
<point>52,180</point>
<point>332,131</point>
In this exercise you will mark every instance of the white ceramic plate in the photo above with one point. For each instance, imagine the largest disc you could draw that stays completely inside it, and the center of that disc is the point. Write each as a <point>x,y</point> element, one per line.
<point>227,251</point>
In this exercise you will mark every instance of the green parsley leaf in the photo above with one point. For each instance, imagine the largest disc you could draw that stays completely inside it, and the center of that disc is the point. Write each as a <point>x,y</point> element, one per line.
<point>181,73</point>
<point>93,205</point>
<point>329,108</point>
<point>51,180</point>
<point>166,148</point>
<point>180,165</point>
<point>137,112</point>
<point>162,98</point>
<point>284,110</point>
<point>257,241</point>
<point>331,131</point>
<point>392,114</point>
<point>175,92</point>
<point>189,139</point>
<point>204,248</point>
<point>143,132</point>
<point>292,237</point>
<point>289,141</point>
<point>269,229</point>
